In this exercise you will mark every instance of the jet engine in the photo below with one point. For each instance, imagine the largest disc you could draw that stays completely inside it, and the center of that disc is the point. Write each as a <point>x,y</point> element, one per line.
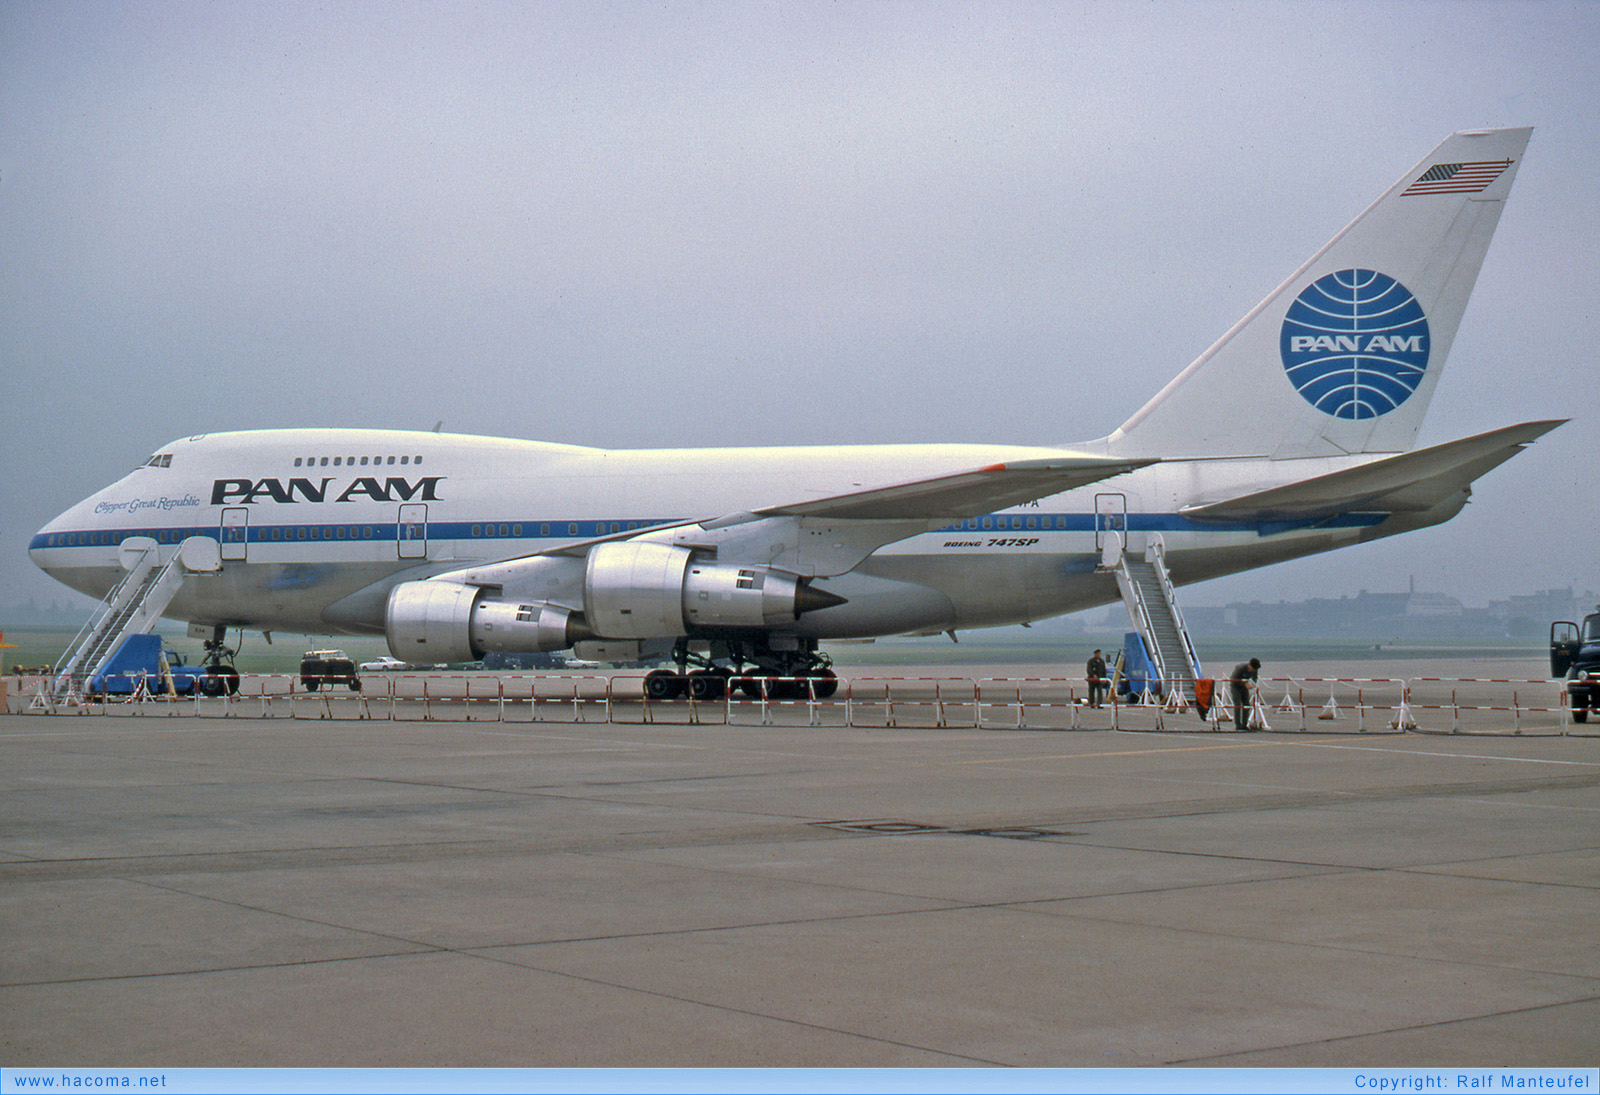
<point>452,622</point>
<point>640,590</point>
<point>631,590</point>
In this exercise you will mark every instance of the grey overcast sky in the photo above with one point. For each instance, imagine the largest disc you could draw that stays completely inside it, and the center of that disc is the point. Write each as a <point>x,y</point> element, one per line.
<point>763,223</point>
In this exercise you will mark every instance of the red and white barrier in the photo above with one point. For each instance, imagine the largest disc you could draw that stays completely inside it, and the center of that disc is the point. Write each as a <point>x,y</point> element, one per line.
<point>1319,705</point>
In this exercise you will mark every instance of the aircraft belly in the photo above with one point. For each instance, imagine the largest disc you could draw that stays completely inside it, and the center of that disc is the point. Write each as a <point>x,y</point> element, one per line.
<point>286,596</point>
<point>878,605</point>
<point>991,591</point>
<point>995,589</point>
<point>92,581</point>
<point>280,596</point>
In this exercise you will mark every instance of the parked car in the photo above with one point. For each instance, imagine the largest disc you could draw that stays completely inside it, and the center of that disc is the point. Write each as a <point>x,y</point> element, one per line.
<point>320,667</point>
<point>497,659</point>
<point>385,664</point>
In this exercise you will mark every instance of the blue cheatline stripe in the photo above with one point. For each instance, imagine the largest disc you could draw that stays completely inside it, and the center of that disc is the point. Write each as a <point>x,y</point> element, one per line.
<point>522,529</point>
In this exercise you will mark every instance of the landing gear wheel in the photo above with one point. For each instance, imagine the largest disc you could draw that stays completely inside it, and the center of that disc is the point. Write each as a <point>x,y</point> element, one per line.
<point>663,684</point>
<point>824,683</point>
<point>707,684</point>
<point>751,684</point>
<point>220,680</point>
<point>220,673</point>
<point>788,690</point>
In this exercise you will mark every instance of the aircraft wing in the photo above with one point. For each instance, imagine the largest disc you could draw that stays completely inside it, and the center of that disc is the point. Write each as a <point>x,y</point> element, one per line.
<point>1408,482</point>
<point>963,494</point>
<point>831,535</point>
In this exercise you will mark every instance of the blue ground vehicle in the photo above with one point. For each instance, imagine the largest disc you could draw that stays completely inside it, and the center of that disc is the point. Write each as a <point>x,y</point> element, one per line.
<point>1575,655</point>
<point>139,660</point>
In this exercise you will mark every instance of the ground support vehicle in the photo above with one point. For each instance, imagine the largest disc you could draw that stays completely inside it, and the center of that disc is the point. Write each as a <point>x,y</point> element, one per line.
<point>328,667</point>
<point>140,660</point>
<point>1575,655</point>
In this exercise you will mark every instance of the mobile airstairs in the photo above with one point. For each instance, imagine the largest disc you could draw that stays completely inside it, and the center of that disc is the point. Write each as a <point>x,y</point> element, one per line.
<point>1152,603</point>
<point>131,608</point>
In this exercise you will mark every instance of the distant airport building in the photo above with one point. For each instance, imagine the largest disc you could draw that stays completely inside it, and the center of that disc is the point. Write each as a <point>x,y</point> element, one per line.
<point>1405,614</point>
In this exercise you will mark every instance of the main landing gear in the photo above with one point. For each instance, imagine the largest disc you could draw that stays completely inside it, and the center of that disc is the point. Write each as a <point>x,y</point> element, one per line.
<point>756,668</point>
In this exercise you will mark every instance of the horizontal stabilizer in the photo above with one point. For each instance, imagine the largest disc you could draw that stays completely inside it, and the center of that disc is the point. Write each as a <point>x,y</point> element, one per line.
<point>963,494</point>
<point>1410,482</point>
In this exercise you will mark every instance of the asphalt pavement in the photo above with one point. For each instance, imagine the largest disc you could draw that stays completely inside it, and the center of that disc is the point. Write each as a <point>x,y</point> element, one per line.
<point>187,891</point>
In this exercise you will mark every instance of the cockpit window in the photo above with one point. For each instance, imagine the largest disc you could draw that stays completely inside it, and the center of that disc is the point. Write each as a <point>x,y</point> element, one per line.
<point>160,460</point>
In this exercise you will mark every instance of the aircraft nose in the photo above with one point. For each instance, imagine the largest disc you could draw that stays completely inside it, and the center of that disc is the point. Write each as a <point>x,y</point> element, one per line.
<point>45,539</point>
<point>59,532</point>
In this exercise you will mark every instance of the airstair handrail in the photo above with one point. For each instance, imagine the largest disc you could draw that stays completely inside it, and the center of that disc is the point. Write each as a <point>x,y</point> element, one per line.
<point>1156,552</point>
<point>115,602</point>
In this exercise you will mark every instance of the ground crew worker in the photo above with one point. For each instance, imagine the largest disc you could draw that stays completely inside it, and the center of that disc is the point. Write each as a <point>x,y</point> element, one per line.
<point>1245,675</point>
<point>1095,670</point>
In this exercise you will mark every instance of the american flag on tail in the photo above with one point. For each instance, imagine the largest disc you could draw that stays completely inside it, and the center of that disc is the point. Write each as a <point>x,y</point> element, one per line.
<point>1457,178</point>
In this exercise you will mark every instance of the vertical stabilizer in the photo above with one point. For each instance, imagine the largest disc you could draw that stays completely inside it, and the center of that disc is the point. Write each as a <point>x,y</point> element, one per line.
<point>1343,357</point>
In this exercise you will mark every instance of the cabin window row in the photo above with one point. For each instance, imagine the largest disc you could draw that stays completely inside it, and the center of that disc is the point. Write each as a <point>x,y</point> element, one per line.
<point>321,532</point>
<point>90,539</point>
<point>1034,522</point>
<point>97,539</point>
<point>574,528</point>
<point>351,461</point>
<point>229,535</point>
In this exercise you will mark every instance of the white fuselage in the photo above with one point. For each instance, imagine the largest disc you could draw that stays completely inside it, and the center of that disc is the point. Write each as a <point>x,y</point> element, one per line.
<point>315,526</point>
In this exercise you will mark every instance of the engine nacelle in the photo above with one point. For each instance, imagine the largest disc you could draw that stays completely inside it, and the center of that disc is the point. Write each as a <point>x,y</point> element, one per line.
<point>734,596</point>
<point>635,590</point>
<point>452,622</point>
<point>642,590</point>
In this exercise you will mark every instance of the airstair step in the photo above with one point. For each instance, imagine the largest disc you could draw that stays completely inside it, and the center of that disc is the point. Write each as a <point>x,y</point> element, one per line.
<point>1145,587</point>
<point>134,604</point>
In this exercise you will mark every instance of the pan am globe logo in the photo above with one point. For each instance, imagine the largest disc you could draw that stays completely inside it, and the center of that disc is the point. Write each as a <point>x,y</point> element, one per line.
<point>1355,344</point>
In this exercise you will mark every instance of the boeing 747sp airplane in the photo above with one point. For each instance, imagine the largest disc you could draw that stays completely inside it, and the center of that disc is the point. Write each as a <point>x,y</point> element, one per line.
<point>1291,435</point>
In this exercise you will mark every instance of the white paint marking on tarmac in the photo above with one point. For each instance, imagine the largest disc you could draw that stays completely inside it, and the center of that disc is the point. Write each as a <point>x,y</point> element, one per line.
<point>1421,753</point>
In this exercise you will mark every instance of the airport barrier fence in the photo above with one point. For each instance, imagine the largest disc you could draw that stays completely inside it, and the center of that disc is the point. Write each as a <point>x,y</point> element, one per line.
<point>1307,705</point>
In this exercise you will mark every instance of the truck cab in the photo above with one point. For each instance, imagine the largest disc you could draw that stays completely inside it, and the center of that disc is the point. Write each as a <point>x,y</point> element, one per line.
<point>1575,655</point>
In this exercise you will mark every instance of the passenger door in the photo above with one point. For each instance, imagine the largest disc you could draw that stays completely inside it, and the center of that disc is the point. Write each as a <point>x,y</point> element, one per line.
<point>1110,517</point>
<point>234,538</point>
<point>412,531</point>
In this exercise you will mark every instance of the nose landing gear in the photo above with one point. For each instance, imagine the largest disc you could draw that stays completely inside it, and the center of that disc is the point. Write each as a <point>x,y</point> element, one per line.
<point>221,678</point>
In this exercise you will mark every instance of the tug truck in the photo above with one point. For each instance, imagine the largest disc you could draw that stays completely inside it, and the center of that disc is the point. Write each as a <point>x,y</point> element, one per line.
<point>1575,655</point>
